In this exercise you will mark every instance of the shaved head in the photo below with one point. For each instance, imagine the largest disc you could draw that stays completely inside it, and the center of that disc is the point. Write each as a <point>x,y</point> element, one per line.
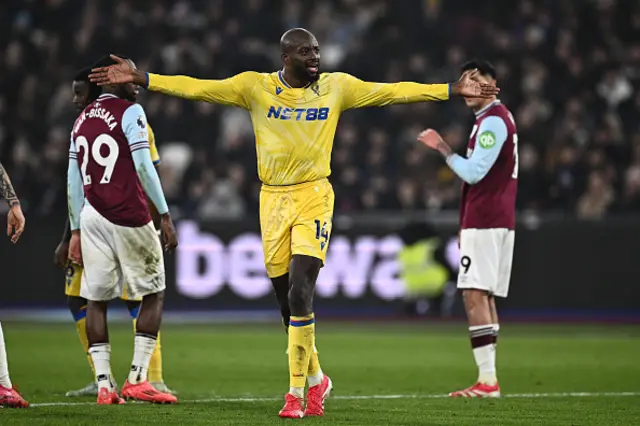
<point>300,54</point>
<point>291,39</point>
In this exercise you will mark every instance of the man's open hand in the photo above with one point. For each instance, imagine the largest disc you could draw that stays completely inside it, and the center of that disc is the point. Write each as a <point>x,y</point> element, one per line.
<point>469,87</point>
<point>119,73</point>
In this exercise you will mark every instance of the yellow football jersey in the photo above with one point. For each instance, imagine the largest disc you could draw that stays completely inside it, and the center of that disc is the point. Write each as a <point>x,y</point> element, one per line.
<point>155,156</point>
<point>295,127</point>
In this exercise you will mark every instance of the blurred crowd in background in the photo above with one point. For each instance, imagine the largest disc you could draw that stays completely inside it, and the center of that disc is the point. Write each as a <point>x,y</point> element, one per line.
<point>568,69</point>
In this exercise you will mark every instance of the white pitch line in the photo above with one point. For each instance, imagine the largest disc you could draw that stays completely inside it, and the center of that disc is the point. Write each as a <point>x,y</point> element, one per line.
<point>365,397</point>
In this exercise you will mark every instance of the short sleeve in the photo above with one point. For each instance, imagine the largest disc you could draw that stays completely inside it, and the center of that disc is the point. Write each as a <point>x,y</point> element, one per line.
<point>134,125</point>
<point>492,132</point>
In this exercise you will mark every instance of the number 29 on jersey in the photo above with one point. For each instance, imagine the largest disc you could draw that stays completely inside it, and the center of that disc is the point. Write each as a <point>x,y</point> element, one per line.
<point>103,143</point>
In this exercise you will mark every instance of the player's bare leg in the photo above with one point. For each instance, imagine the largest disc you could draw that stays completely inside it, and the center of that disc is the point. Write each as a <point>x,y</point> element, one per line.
<point>494,320</point>
<point>137,386</point>
<point>302,280</point>
<point>155,364</point>
<point>9,397</point>
<point>281,289</point>
<point>100,351</point>
<point>482,335</point>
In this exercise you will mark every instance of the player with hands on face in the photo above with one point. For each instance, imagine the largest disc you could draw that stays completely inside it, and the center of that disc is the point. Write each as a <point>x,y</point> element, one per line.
<point>487,220</point>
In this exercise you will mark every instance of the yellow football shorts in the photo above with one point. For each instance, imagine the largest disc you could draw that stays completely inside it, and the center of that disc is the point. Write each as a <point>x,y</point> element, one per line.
<point>73,277</point>
<point>295,219</point>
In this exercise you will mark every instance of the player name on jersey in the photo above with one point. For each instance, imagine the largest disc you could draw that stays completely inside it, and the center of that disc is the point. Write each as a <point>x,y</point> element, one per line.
<point>490,203</point>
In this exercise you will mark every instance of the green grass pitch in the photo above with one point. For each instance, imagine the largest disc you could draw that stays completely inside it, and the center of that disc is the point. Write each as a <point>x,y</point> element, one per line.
<point>383,374</point>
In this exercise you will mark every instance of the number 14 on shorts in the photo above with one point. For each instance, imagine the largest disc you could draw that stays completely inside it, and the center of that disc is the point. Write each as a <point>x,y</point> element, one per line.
<point>322,234</point>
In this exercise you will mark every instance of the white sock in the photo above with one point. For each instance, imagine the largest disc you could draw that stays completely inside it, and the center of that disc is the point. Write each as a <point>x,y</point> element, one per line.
<point>484,351</point>
<point>297,392</point>
<point>101,354</point>
<point>315,379</point>
<point>4,366</point>
<point>496,331</point>
<point>142,349</point>
<point>486,361</point>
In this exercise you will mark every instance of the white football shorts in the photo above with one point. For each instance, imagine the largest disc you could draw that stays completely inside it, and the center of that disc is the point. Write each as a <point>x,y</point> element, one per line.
<point>115,256</point>
<point>486,256</point>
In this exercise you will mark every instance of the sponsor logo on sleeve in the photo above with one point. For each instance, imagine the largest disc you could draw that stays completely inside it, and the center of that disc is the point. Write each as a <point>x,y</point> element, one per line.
<point>487,139</point>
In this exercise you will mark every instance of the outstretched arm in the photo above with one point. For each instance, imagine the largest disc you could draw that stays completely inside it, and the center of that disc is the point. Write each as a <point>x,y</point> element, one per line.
<point>231,91</point>
<point>359,94</point>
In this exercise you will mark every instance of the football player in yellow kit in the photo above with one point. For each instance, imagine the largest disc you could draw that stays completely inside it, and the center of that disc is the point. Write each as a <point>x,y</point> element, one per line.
<point>295,112</point>
<point>84,92</point>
